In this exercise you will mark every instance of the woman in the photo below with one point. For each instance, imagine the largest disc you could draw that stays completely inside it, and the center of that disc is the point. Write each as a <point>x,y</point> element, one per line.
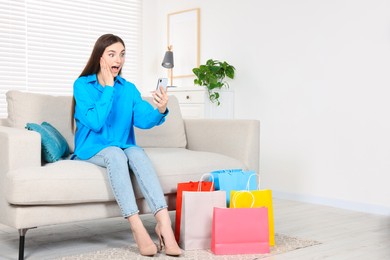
<point>106,109</point>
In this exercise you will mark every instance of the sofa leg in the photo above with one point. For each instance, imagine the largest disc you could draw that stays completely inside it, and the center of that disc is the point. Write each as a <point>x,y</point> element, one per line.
<point>22,234</point>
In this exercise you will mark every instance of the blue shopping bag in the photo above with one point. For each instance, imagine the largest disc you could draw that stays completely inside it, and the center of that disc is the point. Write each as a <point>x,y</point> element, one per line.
<point>234,179</point>
<point>215,176</point>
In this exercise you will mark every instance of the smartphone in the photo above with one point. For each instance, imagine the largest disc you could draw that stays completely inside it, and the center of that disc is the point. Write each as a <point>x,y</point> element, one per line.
<point>162,82</point>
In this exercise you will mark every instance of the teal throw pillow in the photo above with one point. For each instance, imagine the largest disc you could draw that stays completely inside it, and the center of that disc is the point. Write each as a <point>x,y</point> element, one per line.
<point>54,145</point>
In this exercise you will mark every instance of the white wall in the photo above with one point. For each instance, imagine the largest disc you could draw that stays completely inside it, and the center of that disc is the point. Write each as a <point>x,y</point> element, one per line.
<point>316,74</point>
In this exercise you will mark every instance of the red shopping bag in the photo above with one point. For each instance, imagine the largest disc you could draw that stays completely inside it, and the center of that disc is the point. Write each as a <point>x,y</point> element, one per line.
<point>188,186</point>
<point>240,231</point>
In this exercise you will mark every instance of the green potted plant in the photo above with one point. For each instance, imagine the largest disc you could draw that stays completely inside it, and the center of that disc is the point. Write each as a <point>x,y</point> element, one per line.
<point>211,75</point>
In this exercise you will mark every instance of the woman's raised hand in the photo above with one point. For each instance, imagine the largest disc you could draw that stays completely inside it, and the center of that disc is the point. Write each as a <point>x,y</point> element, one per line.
<point>160,99</point>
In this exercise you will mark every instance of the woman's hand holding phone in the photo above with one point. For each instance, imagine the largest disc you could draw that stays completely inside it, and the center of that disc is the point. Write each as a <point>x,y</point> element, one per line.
<point>160,96</point>
<point>162,82</point>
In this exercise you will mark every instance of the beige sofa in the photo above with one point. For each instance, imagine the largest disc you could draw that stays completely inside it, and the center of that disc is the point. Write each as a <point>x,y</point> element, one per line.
<point>34,194</point>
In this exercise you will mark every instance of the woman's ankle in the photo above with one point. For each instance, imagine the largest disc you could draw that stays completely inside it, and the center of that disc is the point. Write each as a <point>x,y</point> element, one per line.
<point>135,221</point>
<point>163,218</point>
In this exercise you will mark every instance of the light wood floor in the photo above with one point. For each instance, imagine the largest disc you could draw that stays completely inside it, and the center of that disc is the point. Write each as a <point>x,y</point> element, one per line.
<point>344,234</point>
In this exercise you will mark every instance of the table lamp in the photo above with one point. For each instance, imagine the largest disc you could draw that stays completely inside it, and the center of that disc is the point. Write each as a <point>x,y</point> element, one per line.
<point>168,63</point>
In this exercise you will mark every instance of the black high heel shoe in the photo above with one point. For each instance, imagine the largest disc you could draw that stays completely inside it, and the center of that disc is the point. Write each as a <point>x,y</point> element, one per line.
<point>170,251</point>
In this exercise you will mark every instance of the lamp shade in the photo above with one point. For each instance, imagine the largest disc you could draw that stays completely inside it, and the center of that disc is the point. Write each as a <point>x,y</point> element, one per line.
<point>168,60</point>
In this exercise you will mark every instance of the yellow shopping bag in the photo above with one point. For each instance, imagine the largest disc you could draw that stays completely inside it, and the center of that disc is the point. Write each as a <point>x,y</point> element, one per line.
<point>256,199</point>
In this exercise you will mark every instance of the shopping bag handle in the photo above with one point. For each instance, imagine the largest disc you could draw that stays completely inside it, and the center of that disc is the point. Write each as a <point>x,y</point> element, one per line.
<point>240,192</point>
<point>249,179</point>
<point>201,180</point>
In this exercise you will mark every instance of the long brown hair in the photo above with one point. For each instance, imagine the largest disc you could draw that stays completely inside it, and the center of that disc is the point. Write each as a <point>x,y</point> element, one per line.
<point>93,64</point>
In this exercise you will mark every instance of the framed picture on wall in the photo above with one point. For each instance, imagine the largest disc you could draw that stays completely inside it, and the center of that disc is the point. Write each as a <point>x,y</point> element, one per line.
<point>184,37</point>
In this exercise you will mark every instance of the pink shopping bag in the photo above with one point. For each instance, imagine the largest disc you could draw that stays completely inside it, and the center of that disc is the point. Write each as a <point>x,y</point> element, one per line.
<point>255,199</point>
<point>240,231</point>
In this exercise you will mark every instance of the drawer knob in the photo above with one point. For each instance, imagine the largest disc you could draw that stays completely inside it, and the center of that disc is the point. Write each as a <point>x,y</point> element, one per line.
<point>187,97</point>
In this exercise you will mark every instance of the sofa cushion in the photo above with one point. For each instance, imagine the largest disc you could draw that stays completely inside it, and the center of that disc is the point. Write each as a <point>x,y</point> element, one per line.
<point>62,182</point>
<point>71,182</point>
<point>54,145</point>
<point>175,165</point>
<point>26,107</point>
<point>171,134</point>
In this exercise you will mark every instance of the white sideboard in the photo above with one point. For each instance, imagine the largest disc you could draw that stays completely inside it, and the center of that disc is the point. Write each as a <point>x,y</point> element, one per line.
<point>194,103</point>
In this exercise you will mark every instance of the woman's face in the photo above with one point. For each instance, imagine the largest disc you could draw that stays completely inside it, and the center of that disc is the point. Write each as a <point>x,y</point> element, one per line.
<point>114,56</point>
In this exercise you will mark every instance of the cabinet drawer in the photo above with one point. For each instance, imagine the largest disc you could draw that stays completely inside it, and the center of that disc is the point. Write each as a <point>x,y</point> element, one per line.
<point>190,97</point>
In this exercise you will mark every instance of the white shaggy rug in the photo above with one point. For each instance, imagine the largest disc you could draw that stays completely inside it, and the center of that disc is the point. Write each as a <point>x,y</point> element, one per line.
<point>283,244</point>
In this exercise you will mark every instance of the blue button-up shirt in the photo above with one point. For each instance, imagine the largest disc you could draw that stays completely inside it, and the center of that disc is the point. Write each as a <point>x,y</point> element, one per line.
<point>106,116</point>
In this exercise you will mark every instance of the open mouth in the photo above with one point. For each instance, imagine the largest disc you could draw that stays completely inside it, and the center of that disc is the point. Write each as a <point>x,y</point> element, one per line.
<point>115,68</point>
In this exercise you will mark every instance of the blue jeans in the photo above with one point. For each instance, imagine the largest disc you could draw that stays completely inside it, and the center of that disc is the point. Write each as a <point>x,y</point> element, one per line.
<point>117,161</point>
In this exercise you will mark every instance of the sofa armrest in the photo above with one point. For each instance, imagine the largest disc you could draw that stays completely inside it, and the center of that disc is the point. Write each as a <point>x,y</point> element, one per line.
<point>19,148</point>
<point>239,139</point>
<point>3,121</point>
